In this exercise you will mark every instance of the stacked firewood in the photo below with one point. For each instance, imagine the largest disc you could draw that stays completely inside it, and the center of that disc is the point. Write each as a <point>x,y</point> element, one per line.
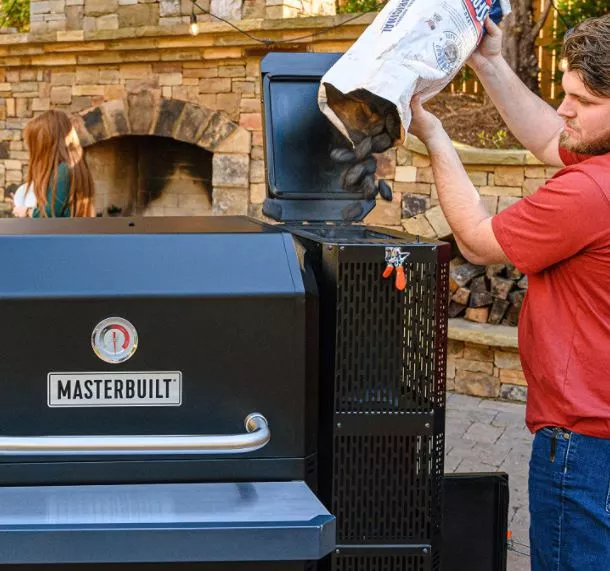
<point>486,294</point>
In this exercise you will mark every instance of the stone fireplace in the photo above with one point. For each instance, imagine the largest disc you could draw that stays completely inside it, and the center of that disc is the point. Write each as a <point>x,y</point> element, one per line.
<point>150,156</point>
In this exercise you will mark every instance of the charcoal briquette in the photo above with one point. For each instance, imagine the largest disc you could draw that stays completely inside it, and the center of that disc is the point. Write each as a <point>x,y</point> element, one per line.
<point>370,165</point>
<point>392,125</point>
<point>343,156</point>
<point>364,148</point>
<point>368,188</point>
<point>378,128</point>
<point>355,174</point>
<point>381,143</point>
<point>384,190</point>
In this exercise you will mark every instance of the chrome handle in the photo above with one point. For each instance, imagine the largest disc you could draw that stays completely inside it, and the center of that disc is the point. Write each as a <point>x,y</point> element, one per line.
<point>257,436</point>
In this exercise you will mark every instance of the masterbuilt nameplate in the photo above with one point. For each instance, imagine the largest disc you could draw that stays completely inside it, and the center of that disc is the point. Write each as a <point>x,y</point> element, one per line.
<point>124,388</point>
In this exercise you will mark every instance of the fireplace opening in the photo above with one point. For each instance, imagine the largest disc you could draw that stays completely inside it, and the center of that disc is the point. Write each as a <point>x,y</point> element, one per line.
<point>145,175</point>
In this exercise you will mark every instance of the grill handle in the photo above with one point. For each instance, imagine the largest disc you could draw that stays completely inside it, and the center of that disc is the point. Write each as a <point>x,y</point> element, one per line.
<point>256,436</point>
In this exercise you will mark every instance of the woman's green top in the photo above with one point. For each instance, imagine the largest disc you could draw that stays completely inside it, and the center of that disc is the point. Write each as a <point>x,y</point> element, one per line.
<point>61,208</point>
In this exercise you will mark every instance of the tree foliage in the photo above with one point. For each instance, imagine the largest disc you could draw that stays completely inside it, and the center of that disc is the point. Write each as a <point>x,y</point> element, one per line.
<point>574,11</point>
<point>15,14</point>
<point>356,6</point>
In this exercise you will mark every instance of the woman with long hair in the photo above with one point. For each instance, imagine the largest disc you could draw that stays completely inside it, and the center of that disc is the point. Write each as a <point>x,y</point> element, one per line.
<point>57,172</point>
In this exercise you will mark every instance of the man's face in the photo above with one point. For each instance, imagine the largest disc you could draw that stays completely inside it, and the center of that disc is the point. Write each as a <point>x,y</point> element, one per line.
<point>586,116</point>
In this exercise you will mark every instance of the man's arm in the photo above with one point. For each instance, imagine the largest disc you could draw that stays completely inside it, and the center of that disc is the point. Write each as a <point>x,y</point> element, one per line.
<point>460,202</point>
<point>534,122</point>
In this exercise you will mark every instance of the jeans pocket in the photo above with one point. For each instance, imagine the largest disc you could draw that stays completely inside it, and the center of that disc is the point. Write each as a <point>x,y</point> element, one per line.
<point>608,499</point>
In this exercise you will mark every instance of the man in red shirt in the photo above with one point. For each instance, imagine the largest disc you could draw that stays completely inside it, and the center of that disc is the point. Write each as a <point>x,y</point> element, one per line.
<point>560,237</point>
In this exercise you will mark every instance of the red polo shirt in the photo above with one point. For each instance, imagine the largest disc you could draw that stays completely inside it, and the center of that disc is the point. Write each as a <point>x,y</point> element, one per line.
<point>560,237</point>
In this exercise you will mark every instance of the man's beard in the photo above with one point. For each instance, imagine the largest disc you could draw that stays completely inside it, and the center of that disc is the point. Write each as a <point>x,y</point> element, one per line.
<point>599,146</point>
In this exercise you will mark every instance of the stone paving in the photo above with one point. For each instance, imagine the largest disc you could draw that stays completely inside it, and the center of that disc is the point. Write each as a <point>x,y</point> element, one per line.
<point>485,435</point>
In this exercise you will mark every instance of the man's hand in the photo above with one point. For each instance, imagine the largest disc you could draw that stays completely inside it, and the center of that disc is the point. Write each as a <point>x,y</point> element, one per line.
<point>424,125</point>
<point>489,49</point>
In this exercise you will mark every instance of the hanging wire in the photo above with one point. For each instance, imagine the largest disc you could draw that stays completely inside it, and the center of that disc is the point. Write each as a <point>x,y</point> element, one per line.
<point>518,552</point>
<point>269,42</point>
<point>520,546</point>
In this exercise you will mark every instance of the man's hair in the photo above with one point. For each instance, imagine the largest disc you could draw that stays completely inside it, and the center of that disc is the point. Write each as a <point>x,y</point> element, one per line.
<point>586,50</point>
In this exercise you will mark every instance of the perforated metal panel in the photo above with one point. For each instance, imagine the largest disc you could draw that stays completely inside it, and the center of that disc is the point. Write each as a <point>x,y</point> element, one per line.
<point>387,341</point>
<point>382,563</point>
<point>386,488</point>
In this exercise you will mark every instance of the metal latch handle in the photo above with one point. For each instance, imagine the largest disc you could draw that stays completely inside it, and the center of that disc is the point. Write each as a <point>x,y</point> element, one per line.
<point>257,436</point>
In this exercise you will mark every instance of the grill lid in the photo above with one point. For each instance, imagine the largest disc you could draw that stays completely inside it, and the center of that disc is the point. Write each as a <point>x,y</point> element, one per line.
<point>302,181</point>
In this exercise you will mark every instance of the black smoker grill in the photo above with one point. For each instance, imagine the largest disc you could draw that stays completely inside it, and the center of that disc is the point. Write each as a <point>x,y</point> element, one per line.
<point>219,393</point>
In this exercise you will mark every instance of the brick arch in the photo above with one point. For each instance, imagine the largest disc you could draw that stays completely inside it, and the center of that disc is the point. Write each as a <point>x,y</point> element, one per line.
<point>146,113</point>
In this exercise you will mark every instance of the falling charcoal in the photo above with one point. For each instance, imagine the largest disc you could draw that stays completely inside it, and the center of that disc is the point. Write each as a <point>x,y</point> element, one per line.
<point>355,174</point>
<point>364,148</point>
<point>343,156</point>
<point>381,143</point>
<point>384,190</point>
<point>368,188</point>
<point>377,129</point>
<point>392,125</point>
<point>370,165</point>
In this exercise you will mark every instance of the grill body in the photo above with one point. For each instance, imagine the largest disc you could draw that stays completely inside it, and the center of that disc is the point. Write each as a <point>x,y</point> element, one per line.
<point>292,321</point>
<point>242,338</point>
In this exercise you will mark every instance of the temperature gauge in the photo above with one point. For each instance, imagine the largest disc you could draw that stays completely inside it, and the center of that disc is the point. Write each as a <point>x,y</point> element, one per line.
<point>114,340</point>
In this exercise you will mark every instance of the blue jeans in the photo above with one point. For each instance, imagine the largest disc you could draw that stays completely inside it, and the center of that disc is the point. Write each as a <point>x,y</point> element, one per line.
<point>569,491</point>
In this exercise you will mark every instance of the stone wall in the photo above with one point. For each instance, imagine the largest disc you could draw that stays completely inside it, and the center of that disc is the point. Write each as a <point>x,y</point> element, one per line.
<point>89,15</point>
<point>483,360</point>
<point>501,177</point>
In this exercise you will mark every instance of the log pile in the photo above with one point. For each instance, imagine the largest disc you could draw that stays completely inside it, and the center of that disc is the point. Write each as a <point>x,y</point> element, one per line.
<point>486,294</point>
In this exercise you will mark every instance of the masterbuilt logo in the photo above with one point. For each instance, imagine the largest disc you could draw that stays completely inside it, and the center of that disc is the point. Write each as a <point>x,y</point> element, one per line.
<point>142,388</point>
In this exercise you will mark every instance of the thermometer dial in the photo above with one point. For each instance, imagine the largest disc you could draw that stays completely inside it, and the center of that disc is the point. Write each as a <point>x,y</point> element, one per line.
<point>114,340</point>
